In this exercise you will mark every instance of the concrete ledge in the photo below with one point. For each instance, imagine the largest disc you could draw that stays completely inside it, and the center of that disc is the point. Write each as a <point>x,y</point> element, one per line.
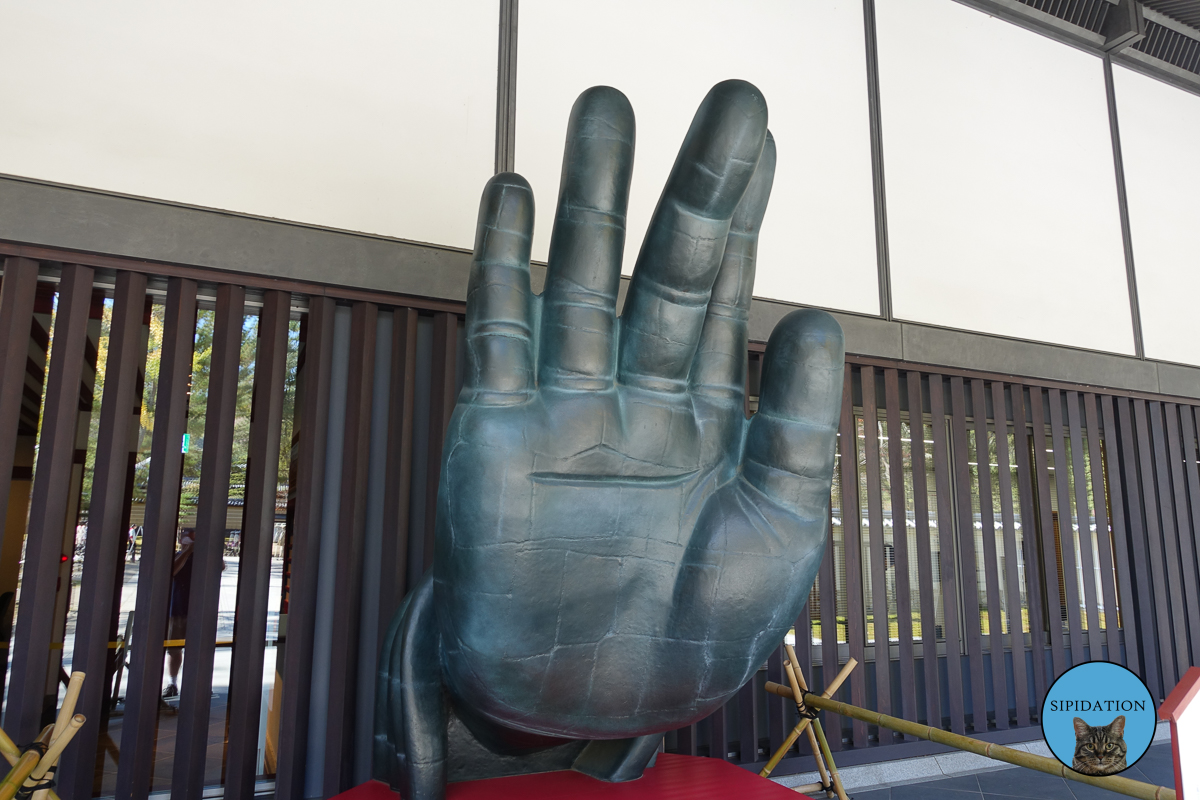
<point>71,218</point>
<point>931,345</point>
<point>80,219</point>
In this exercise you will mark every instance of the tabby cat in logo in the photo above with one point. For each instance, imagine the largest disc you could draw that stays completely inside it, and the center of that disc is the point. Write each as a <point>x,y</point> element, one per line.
<point>1099,749</point>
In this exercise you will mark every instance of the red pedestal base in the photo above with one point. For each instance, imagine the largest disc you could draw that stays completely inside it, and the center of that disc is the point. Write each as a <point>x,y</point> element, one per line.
<point>673,777</point>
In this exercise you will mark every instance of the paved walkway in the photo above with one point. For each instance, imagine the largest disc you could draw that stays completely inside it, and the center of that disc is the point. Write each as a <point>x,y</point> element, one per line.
<point>1154,767</point>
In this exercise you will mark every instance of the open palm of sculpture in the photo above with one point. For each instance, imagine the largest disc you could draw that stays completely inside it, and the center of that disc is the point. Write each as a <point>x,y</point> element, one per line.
<point>618,549</point>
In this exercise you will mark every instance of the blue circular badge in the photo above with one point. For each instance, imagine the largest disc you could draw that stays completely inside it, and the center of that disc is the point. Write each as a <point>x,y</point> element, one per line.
<point>1098,718</point>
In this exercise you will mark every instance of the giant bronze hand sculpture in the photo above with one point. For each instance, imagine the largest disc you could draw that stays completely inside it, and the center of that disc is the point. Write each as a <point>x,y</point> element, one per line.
<point>618,549</point>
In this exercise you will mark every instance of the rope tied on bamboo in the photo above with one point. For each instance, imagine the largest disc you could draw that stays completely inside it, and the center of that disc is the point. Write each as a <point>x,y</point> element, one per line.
<point>804,709</point>
<point>32,785</point>
<point>35,785</point>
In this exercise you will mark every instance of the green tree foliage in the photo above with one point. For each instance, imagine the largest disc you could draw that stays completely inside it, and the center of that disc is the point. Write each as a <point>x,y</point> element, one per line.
<point>197,405</point>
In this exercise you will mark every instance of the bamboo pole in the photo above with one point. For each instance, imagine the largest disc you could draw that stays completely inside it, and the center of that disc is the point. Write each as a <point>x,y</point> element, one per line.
<point>74,686</point>
<point>1114,783</point>
<point>779,754</point>
<point>12,753</point>
<point>50,759</point>
<point>16,776</point>
<point>799,729</point>
<point>797,683</point>
<point>67,723</point>
<point>24,767</point>
<point>9,749</point>
<point>809,788</point>
<point>837,778</point>
<point>796,678</point>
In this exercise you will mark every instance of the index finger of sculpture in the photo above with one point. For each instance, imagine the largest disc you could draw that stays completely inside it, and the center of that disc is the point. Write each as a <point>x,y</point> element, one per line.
<point>791,440</point>
<point>719,368</point>
<point>579,312</point>
<point>668,294</point>
<point>499,300</point>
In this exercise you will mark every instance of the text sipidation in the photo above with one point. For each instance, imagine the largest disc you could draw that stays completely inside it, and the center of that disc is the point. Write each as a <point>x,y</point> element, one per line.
<point>1097,705</point>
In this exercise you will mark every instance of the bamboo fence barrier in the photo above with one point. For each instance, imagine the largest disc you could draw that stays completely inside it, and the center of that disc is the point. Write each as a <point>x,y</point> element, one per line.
<point>1114,783</point>
<point>30,768</point>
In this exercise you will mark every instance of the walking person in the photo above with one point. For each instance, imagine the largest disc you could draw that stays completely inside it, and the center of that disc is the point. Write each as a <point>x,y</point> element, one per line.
<point>181,589</point>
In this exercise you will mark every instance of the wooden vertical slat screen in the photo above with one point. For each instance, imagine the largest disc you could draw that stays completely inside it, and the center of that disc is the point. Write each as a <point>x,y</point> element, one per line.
<point>1175,588</point>
<point>1055,613</point>
<point>1162,613</point>
<point>1112,461</point>
<point>719,734</point>
<point>17,293</point>
<point>139,726</point>
<point>904,604</point>
<point>1139,541</point>
<point>1083,520</point>
<point>1189,499</point>
<point>1016,632</point>
<point>393,577</point>
<point>1066,524</point>
<point>19,333</point>
<point>747,703</point>
<point>946,528</point>
<point>27,706</point>
<point>776,706</point>
<point>212,508</point>
<point>1031,553</point>
<point>987,521</point>
<point>968,556</point>
<point>106,536</point>
<point>313,380</point>
<point>347,592</point>
<point>929,647</point>
<point>879,599</point>
<point>1128,462</point>
<point>254,564</point>
<point>1104,553</point>
<point>830,662</point>
<point>686,741</point>
<point>441,404</point>
<point>852,528</point>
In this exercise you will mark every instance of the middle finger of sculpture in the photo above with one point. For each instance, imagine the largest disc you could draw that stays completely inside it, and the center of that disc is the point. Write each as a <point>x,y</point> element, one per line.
<point>618,549</point>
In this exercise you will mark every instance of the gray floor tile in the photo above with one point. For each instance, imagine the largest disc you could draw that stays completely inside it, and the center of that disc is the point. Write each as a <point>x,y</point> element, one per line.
<point>1024,783</point>
<point>1136,774</point>
<point>959,783</point>
<point>1084,791</point>
<point>878,794</point>
<point>930,790</point>
<point>1158,765</point>
<point>1157,771</point>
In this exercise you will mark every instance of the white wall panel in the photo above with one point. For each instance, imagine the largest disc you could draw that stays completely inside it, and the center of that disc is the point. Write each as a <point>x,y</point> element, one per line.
<point>818,240</point>
<point>1162,170</point>
<point>370,116</point>
<point>1001,191</point>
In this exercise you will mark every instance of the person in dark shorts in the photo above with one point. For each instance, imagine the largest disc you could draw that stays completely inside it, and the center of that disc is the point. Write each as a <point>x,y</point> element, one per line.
<point>181,589</point>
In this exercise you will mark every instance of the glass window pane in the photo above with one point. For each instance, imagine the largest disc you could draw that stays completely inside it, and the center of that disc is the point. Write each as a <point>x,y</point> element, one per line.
<point>1158,147</point>
<point>889,531</point>
<point>807,58</point>
<point>1001,194</point>
<point>1015,488</point>
<point>865,529</point>
<point>935,537</point>
<point>375,118</point>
